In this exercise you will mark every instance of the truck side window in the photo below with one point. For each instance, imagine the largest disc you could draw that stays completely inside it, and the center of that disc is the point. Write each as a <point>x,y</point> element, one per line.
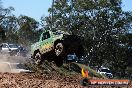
<point>4,46</point>
<point>46,35</point>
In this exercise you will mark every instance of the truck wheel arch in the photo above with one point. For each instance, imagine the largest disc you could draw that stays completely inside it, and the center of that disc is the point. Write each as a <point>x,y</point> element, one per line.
<point>57,41</point>
<point>35,52</point>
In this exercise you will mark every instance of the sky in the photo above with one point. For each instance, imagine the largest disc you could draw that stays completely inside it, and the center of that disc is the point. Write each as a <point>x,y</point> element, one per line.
<point>38,8</point>
<point>127,5</point>
<point>31,8</point>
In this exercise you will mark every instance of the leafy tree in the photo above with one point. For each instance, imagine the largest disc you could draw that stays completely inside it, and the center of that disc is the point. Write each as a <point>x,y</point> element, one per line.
<point>27,28</point>
<point>7,22</point>
<point>100,22</point>
<point>2,34</point>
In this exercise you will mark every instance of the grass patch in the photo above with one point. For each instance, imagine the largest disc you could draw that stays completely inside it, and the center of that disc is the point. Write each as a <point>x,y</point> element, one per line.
<point>92,72</point>
<point>67,69</point>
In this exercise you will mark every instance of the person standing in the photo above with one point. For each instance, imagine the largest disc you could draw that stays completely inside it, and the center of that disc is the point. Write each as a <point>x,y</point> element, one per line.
<point>1,47</point>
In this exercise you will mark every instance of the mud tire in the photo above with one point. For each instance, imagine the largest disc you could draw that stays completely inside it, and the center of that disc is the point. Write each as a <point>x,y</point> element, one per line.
<point>37,58</point>
<point>59,49</point>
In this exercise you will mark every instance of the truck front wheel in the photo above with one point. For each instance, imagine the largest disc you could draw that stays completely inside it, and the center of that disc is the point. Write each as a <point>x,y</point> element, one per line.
<point>37,58</point>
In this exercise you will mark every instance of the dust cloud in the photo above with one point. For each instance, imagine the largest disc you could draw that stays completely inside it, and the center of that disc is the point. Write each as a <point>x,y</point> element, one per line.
<point>6,60</point>
<point>12,59</point>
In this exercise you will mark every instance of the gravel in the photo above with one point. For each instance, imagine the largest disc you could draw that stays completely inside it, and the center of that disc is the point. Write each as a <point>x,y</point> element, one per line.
<point>34,80</point>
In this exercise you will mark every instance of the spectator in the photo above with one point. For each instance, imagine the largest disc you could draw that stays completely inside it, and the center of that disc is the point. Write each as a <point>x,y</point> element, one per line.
<point>1,47</point>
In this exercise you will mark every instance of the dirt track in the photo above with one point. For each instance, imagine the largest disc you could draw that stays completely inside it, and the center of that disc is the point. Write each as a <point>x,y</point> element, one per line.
<point>27,80</point>
<point>35,80</point>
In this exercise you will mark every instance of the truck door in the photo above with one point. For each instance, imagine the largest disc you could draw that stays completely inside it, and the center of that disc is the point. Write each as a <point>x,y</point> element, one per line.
<point>46,44</point>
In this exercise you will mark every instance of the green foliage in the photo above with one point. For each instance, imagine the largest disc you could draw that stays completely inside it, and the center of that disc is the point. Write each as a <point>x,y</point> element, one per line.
<point>17,30</point>
<point>50,67</point>
<point>102,23</point>
<point>27,28</point>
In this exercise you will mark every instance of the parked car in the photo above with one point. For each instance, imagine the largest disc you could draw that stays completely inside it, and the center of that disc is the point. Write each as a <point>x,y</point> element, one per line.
<point>105,71</point>
<point>8,48</point>
<point>13,46</point>
<point>72,57</point>
<point>4,48</point>
<point>13,49</point>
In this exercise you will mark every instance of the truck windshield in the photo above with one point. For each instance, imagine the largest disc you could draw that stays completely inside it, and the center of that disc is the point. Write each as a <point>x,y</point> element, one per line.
<point>46,35</point>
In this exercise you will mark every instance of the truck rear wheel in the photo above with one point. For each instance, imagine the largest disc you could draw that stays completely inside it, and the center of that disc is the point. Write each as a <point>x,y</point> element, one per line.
<point>59,49</point>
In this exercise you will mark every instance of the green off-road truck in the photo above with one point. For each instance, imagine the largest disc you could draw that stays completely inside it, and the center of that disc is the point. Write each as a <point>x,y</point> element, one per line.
<point>56,45</point>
